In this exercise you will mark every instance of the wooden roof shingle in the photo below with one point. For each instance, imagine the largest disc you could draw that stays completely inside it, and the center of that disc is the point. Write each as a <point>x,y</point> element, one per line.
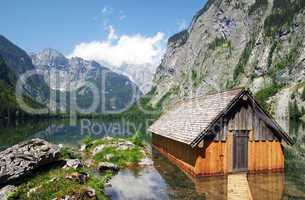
<point>185,121</point>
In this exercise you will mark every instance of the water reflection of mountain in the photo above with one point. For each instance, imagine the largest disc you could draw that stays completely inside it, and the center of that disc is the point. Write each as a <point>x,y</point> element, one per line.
<point>61,132</point>
<point>74,134</point>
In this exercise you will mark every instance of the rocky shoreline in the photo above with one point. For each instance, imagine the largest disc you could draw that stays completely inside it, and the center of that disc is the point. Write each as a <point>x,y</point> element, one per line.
<point>36,169</point>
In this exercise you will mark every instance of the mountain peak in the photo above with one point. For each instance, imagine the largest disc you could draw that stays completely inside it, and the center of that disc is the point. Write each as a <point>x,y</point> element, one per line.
<point>50,58</point>
<point>51,53</point>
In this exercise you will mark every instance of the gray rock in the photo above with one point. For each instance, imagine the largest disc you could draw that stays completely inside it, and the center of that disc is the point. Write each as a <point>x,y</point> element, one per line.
<point>21,159</point>
<point>98,149</point>
<point>83,148</point>
<point>89,162</point>
<point>146,162</point>
<point>124,145</point>
<point>103,166</point>
<point>82,178</point>
<point>90,192</point>
<point>73,163</point>
<point>6,191</point>
<point>108,156</point>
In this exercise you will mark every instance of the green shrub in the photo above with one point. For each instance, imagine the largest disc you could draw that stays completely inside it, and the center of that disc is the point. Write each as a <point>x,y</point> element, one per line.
<point>218,42</point>
<point>138,138</point>
<point>88,140</point>
<point>294,112</point>
<point>303,94</point>
<point>68,153</point>
<point>239,69</point>
<point>270,56</point>
<point>263,95</point>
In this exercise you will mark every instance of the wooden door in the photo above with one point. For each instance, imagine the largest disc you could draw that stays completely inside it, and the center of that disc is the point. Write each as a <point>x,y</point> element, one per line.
<point>240,151</point>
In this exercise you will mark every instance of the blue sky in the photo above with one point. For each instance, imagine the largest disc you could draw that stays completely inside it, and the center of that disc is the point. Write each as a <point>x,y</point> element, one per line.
<point>63,24</point>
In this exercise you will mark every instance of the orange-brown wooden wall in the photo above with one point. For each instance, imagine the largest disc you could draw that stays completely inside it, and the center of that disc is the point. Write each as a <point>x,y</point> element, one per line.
<point>265,156</point>
<point>216,157</point>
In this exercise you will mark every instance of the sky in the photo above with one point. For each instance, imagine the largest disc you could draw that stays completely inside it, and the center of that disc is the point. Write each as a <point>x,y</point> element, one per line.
<point>112,31</point>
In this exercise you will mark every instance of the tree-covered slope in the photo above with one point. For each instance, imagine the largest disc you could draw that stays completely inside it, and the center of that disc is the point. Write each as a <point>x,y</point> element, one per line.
<point>9,107</point>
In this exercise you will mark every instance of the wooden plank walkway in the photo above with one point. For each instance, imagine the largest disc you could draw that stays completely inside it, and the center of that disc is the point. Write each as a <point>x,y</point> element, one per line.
<point>238,187</point>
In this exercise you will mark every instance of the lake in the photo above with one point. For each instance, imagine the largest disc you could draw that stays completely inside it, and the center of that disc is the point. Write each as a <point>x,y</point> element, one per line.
<point>164,180</point>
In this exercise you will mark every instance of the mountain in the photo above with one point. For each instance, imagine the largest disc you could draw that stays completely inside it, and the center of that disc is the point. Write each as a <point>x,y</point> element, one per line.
<point>142,75</point>
<point>254,43</point>
<point>18,62</point>
<point>8,104</point>
<point>75,74</point>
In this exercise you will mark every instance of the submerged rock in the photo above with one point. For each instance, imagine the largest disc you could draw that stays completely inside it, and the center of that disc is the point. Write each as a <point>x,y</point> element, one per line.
<point>120,145</point>
<point>21,159</point>
<point>103,166</point>
<point>146,162</point>
<point>7,191</point>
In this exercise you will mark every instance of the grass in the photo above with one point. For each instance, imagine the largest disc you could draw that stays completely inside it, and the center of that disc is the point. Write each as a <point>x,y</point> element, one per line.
<point>119,157</point>
<point>122,158</point>
<point>219,42</point>
<point>98,184</point>
<point>239,69</point>
<point>50,184</point>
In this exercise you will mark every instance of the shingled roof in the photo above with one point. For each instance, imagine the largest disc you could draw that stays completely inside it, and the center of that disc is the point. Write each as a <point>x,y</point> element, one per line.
<point>188,120</point>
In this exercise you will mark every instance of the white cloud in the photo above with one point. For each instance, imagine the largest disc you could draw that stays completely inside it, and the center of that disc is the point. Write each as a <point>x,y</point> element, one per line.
<point>122,15</point>
<point>182,24</point>
<point>117,50</point>
<point>111,35</point>
<point>106,10</point>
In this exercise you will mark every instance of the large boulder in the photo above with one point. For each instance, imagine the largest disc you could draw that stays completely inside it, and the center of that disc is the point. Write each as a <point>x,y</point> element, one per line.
<point>6,191</point>
<point>21,159</point>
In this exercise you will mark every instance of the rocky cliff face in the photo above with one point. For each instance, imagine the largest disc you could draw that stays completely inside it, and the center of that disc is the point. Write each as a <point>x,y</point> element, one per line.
<point>254,43</point>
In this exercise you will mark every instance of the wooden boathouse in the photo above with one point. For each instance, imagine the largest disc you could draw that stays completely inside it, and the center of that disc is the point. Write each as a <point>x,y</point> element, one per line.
<point>221,133</point>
